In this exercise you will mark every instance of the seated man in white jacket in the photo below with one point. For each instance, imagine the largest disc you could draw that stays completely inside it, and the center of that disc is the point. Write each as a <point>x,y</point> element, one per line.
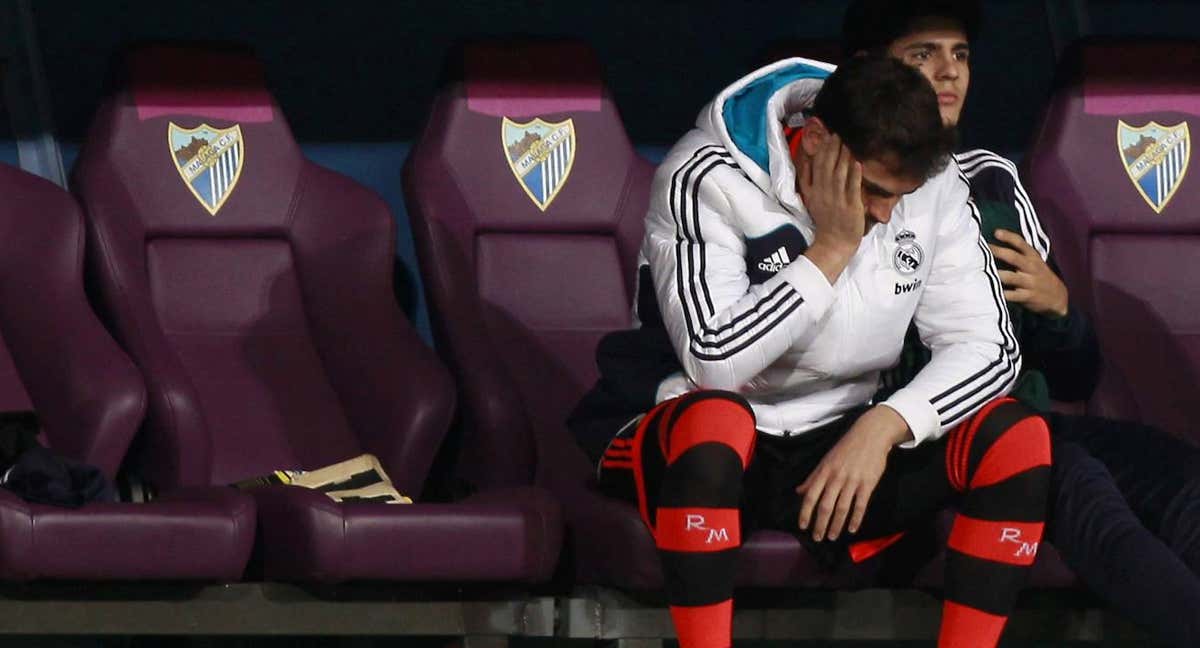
<point>770,297</point>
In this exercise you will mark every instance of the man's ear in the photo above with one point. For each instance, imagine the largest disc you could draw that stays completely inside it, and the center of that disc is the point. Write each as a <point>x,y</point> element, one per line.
<point>815,135</point>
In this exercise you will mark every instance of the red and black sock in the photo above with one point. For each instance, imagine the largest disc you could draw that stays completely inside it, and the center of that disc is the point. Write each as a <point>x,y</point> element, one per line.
<point>706,441</point>
<point>1000,461</point>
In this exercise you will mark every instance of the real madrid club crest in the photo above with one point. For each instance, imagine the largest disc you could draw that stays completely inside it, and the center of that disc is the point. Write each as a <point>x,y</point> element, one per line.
<point>908,255</point>
<point>1156,159</point>
<point>540,155</point>
<point>209,160</point>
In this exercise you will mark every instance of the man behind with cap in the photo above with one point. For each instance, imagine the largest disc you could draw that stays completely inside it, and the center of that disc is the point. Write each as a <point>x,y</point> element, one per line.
<point>1124,508</point>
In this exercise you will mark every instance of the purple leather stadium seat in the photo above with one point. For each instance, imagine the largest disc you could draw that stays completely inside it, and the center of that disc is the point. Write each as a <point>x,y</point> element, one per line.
<point>253,289</point>
<point>90,400</point>
<point>527,264</point>
<point>1108,171</point>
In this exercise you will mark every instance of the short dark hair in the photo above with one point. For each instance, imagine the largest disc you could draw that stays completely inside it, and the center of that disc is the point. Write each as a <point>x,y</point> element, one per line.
<point>872,25</point>
<point>886,111</point>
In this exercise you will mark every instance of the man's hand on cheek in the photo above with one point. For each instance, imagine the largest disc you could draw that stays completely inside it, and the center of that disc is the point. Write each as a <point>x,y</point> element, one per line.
<point>830,183</point>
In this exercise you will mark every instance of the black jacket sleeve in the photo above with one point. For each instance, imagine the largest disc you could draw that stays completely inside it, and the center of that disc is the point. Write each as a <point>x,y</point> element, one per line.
<point>1065,350</point>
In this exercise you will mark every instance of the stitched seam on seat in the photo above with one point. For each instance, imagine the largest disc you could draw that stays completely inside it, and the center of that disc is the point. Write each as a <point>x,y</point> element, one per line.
<point>297,270</point>
<point>78,273</point>
<point>343,555</point>
<point>297,192</point>
<point>626,189</point>
<point>30,547</point>
<point>455,351</point>
<point>546,562</point>
<point>236,516</point>
<point>122,297</point>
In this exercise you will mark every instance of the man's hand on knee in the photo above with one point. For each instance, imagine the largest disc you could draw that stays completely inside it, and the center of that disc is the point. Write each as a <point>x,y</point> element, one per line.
<point>839,489</point>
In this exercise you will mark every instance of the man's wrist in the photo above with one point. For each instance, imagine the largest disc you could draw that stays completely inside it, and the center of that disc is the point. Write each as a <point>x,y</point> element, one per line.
<point>1061,312</point>
<point>835,246</point>
<point>831,258</point>
<point>1053,313</point>
<point>895,428</point>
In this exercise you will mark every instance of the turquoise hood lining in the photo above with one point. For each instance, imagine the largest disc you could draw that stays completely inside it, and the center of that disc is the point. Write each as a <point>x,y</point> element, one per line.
<point>745,111</point>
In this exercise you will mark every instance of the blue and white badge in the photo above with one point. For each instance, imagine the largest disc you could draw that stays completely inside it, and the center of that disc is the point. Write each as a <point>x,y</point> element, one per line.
<point>209,161</point>
<point>540,155</point>
<point>1156,159</point>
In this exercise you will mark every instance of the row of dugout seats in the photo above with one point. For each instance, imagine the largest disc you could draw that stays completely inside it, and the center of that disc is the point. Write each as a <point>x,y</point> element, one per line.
<point>257,336</point>
<point>249,322</point>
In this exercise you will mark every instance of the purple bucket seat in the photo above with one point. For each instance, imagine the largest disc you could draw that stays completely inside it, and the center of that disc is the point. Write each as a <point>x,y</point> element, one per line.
<point>90,400</point>
<point>1108,170</point>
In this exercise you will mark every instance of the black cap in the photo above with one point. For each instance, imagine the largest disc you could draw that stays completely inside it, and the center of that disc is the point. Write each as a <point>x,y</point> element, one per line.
<point>870,25</point>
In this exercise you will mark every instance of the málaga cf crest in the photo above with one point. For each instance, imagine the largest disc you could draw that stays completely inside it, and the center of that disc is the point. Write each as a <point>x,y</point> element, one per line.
<point>540,156</point>
<point>209,160</point>
<point>1156,158</point>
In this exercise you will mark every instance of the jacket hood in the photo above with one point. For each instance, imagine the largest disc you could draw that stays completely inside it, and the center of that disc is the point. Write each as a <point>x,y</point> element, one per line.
<point>747,118</point>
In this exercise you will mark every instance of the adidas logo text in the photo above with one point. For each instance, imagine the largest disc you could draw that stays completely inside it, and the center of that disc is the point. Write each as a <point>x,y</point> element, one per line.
<point>776,262</point>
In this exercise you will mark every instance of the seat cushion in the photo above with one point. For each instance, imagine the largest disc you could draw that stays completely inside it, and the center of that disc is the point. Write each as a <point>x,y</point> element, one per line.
<point>189,534</point>
<point>501,535</point>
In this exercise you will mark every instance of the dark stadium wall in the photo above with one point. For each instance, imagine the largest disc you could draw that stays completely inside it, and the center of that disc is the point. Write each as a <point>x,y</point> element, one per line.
<point>360,70</point>
<point>355,77</point>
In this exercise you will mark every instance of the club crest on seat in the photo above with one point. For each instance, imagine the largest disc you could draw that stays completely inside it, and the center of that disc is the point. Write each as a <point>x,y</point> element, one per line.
<point>540,155</point>
<point>1156,159</point>
<point>209,161</point>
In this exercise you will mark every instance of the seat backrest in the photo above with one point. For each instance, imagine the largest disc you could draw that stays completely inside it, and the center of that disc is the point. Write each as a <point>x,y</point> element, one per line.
<point>247,283</point>
<point>88,396</point>
<point>1108,171</point>
<point>527,203</point>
